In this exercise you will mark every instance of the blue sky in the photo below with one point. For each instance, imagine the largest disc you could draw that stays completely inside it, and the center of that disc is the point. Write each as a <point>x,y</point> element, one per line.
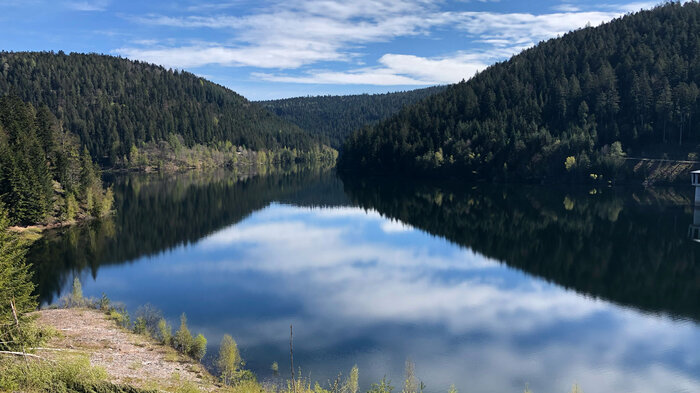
<point>274,49</point>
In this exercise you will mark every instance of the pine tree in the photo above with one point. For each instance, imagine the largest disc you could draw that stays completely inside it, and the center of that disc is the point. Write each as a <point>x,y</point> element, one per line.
<point>16,287</point>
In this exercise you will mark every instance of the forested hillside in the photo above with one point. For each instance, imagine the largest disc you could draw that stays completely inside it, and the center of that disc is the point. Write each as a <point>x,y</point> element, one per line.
<point>113,104</point>
<point>334,118</point>
<point>571,107</point>
<point>45,176</point>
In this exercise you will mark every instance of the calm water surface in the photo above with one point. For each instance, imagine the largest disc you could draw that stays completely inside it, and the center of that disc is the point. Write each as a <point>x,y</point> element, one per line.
<point>485,287</point>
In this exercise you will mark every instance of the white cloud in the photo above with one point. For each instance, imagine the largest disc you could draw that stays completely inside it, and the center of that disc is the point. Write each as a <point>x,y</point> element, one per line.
<point>293,34</point>
<point>463,318</point>
<point>397,69</point>
<point>290,34</point>
<point>392,226</point>
<point>94,5</point>
<point>566,7</point>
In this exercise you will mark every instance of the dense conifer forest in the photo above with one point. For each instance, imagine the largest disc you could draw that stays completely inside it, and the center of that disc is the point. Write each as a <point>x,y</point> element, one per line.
<point>571,107</point>
<point>334,118</point>
<point>45,175</point>
<point>114,104</point>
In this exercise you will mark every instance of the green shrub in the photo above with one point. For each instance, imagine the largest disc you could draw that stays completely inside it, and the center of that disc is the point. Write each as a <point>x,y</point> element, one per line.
<point>149,317</point>
<point>183,340</point>
<point>104,303</point>
<point>75,299</point>
<point>165,332</point>
<point>384,386</point>
<point>107,202</point>
<point>71,207</point>
<point>140,326</point>
<point>199,347</point>
<point>352,383</point>
<point>120,315</point>
<point>229,361</point>
<point>58,376</point>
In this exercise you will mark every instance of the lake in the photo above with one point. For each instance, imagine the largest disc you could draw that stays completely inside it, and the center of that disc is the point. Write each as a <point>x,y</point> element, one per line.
<point>487,287</point>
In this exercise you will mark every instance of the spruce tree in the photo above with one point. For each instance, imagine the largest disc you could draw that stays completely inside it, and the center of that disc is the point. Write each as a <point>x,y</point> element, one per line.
<point>16,287</point>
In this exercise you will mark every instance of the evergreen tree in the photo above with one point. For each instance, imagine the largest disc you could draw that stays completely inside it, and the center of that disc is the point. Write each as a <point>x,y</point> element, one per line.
<point>41,171</point>
<point>334,118</point>
<point>572,96</point>
<point>112,104</point>
<point>16,287</point>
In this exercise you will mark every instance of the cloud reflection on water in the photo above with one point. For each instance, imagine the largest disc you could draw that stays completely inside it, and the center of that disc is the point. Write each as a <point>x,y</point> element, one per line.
<point>361,288</point>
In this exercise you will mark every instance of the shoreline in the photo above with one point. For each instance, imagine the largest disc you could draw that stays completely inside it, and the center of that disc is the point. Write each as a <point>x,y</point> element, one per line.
<point>129,359</point>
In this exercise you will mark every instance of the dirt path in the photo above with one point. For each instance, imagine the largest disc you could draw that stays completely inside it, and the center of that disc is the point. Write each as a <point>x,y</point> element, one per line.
<point>128,358</point>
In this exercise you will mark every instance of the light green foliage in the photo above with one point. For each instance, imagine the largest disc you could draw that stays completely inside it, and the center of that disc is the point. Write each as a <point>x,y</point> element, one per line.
<point>120,315</point>
<point>104,303</point>
<point>77,291</point>
<point>75,299</point>
<point>71,207</point>
<point>384,386</point>
<point>199,347</point>
<point>452,389</point>
<point>570,163</point>
<point>229,361</point>
<point>61,376</point>
<point>107,202</point>
<point>165,332</point>
<point>148,316</point>
<point>352,382</point>
<point>183,340</point>
<point>411,382</point>
<point>616,149</point>
<point>576,389</point>
<point>140,326</point>
<point>275,369</point>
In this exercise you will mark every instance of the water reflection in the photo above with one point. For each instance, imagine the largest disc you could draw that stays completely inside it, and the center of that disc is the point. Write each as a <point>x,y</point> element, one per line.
<point>624,245</point>
<point>355,268</point>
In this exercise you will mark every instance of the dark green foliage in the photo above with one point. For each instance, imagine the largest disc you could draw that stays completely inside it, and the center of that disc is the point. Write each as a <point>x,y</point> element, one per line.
<point>25,180</point>
<point>633,81</point>
<point>334,118</point>
<point>41,172</point>
<point>104,387</point>
<point>113,104</point>
<point>16,288</point>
